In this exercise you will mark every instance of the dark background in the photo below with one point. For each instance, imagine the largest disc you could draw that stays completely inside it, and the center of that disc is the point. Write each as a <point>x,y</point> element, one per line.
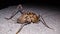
<point>6,3</point>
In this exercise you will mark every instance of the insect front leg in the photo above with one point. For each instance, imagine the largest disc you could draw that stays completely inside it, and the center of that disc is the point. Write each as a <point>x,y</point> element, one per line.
<point>22,26</point>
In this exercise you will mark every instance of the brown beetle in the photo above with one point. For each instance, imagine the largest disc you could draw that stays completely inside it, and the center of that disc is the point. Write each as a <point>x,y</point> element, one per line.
<point>27,18</point>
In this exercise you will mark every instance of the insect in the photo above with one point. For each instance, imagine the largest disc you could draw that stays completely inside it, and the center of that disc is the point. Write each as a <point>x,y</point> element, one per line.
<point>27,18</point>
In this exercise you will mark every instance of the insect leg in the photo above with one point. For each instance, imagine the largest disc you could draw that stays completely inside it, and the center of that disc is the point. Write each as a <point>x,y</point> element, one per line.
<point>14,13</point>
<point>20,8</point>
<point>44,22</point>
<point>22,27</point>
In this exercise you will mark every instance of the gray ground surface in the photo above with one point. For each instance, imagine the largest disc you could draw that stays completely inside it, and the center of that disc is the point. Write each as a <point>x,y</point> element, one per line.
<point>51,17</point>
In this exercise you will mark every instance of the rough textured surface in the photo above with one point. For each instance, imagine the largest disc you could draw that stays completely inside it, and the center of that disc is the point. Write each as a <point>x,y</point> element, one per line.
<point>51,17</point>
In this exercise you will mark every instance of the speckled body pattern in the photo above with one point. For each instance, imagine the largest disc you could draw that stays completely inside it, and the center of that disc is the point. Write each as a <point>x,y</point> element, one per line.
<point>28,17</point>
